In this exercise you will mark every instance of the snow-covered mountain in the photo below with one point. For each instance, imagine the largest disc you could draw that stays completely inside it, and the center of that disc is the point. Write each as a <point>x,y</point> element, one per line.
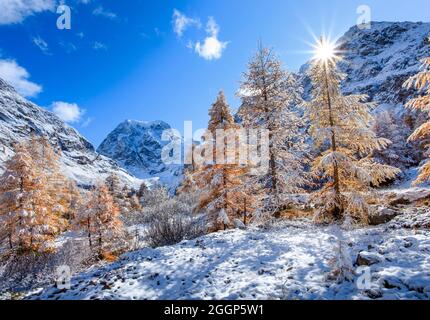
<point>377,61</point>
<point>19,118</point>
<point>137,146</point>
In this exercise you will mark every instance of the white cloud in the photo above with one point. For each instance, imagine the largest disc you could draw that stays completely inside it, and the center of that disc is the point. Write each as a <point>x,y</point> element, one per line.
<point>15,11</point>
<point>17,76</point>
<point>68,112</point>
<point>100,11</point>
<point>41,44</point>
<point>212,48</point>
<point>181,22</point>
<point>99,46</point>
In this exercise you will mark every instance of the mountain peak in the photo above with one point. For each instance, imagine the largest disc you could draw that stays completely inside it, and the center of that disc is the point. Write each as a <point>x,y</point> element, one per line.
<point>144,124</point>
<point>4,86</point>
<point>137,146</point>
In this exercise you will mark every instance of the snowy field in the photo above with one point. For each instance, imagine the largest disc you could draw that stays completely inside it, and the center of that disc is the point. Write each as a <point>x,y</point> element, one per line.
<point>289,261</point>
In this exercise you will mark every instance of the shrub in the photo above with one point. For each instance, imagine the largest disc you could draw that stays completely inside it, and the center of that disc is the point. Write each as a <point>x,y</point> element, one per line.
<point>171,221</point>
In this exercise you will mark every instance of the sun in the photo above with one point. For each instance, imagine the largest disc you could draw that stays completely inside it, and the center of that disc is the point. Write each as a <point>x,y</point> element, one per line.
<point>325,50</point>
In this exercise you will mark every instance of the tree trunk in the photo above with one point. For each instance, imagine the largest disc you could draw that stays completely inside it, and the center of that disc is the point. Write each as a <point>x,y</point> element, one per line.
<point>244,211</point>
<point>89,232</point>
<point>272,162</point>
<point>336,182</point>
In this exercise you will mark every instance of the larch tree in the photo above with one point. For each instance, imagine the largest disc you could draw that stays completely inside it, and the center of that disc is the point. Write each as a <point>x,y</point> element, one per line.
<point>57,185</point>
<point>270,99</point>
<point>189,184</point>
<point>74,200</point>
<point>219,177</point>
<point>340,126</point>
<point>421,82</point>
<point>25,207</point>
<point>143,189</point>
<point>400,153</point>
<point>125,198</point>
<point>100,220</point>
<point>250,198</point>
<point>115,188</point>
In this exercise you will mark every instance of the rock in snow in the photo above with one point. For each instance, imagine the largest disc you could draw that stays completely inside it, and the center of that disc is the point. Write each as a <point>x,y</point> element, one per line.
<point>19,118</point>
<point>383,215</point>
<point>368,258</point>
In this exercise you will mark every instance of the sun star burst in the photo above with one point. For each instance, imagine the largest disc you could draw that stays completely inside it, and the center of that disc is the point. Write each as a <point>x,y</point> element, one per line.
<point>325,51</point>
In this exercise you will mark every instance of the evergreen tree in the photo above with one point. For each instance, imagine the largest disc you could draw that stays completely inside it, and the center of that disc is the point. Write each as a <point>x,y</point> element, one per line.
<point>270,97</point>
<point>124,198</point>
<point>399,153</point>
<point>143,189</point>
<point>57,185</point>
<point>340,125</point>
<point>189,184</point>
<point>25,207</point>
<point>421,82</point>
<point>114,185</point>
<point>220,179</point>
<point>100,221</point>
<point>74,200</point>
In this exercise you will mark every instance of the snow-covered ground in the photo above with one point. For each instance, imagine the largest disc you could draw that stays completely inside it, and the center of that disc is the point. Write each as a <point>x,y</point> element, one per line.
<point>289,261</point>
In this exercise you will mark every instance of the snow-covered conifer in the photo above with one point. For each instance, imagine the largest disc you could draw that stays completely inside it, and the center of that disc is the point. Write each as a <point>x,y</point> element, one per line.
<point>270,99</point>
<point>399,153</point>
<point>220,178</point>
<point>421,82</point>
<point>25,207</point>
<point>57,185</point>
<point>100,220</point>
<point>340,125</point>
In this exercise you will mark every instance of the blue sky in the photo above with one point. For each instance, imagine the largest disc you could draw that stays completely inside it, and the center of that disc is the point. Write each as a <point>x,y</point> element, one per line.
<point>130,60</point>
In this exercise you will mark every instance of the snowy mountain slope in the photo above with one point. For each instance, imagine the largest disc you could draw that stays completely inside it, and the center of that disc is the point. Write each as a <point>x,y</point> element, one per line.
<point>378,61</point>
<point>137,147</point>
<point>19,118</point>
<point>290,261</point>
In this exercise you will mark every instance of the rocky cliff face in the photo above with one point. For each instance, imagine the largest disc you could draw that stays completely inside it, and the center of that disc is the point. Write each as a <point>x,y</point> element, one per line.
<point>137,146</point>
<point>378,61</point>
<point>19,118</point>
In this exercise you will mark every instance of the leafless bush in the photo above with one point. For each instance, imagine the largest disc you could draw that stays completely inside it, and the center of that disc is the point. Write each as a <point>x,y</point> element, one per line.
<point>171,222</point>
<point>22,272</point>
<point>149,199</point>
<point>263,219</point>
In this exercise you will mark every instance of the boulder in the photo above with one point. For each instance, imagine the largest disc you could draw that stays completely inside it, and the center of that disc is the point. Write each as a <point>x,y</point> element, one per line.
<point>382,216</point>
<point>368,258</point>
